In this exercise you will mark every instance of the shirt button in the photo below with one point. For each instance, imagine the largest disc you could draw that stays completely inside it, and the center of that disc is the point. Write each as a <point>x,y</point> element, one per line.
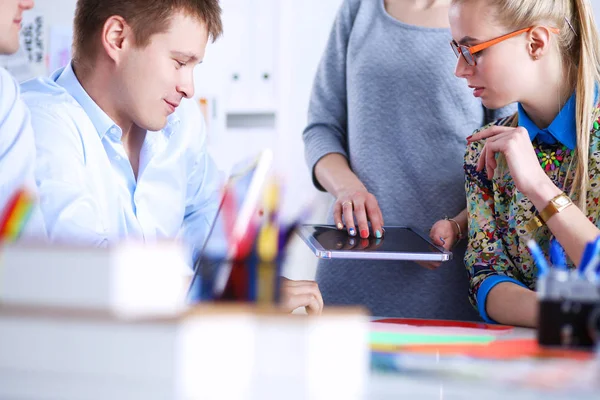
<point>113,130</point>
<point>118,158</point>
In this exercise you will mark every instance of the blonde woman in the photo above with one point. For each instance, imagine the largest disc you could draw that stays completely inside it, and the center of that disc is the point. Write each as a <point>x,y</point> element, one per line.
<point>545,55</point>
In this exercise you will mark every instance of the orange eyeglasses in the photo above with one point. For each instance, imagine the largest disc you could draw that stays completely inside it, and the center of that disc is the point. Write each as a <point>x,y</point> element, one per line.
<point>468,52</point>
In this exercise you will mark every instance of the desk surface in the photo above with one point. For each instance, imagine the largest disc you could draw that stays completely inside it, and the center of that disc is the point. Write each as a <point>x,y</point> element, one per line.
<point>514,379</point>
<point>387,386</point>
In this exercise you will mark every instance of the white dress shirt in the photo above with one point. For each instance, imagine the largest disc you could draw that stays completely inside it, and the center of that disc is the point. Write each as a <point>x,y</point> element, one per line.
<point>89,194</point>
<point>17,150</point>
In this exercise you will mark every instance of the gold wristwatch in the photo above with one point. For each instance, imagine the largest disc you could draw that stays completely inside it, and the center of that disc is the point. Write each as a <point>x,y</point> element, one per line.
<point>556,205</point>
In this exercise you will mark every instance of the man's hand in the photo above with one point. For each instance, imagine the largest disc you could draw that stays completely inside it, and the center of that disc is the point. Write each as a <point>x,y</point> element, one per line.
<point>295,294</point>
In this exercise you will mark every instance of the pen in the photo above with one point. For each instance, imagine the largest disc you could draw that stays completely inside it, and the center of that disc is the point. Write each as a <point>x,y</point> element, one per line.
<point>590,260</point>
<point>15,215</point>
<point>557,255</point>
<point>267,248</point>
<point>586,257</point>
<point>285,234</point>
<point>538,257</point>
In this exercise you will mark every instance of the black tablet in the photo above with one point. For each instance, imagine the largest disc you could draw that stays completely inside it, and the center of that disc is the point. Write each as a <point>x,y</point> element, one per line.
<point>398,243</point>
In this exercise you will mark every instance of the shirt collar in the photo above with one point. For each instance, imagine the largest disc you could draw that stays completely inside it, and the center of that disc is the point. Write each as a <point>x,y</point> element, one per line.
<point>173,122</point>
<point>563,128</point>
<point>101,121</point>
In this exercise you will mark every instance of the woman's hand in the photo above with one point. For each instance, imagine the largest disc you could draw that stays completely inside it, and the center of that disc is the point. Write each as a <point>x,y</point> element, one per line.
<point>444,233</point>
<point>353,200</point>
<point>360,204</point>
<point>515,145</point>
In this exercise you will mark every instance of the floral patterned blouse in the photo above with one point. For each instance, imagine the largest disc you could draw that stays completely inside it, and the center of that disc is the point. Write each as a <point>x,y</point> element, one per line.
<point>498,214</point>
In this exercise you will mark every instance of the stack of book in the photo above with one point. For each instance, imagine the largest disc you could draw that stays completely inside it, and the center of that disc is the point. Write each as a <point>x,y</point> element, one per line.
<point>113,324</point>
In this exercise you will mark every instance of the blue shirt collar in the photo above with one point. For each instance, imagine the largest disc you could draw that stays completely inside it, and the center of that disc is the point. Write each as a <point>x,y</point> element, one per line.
<point>66,78</point>
<point>562,129</point>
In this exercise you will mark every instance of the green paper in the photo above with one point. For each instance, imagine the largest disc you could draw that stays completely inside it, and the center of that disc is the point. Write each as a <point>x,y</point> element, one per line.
<point>407,339</point>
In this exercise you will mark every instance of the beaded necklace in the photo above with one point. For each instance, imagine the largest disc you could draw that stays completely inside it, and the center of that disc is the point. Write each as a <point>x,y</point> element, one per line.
<point>552,159</point>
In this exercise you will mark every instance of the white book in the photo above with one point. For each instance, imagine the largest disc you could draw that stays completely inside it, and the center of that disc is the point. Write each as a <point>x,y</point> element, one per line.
<point>131,278</point>
<point>199,356</point>
<point>211,352</point>
<point>304,357</point>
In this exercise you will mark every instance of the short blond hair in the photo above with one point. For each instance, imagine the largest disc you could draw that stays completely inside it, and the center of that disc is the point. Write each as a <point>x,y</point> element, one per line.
<point>146,18</point>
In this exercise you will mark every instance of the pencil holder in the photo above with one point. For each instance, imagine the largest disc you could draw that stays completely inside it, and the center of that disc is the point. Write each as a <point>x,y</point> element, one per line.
<point>244,280</point>
<point>569,311</point>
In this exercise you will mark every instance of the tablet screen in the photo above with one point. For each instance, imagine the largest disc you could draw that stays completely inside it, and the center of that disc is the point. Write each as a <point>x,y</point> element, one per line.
<point>395,240</point>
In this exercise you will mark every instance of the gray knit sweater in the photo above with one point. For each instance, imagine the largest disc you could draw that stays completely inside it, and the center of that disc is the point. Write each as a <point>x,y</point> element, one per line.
<point>385,96</point>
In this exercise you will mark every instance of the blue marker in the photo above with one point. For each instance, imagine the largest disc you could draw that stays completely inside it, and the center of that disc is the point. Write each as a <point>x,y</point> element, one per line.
<point>587,256</point>
<point>538,257</point>
<point>589,260</point>
<point>557,255</point>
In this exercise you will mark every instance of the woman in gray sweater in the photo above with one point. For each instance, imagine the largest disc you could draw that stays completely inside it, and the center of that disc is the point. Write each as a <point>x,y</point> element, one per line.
<point>386,136</point>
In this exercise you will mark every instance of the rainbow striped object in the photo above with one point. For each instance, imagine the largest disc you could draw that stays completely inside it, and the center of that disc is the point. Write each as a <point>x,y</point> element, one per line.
<point>15,215</point>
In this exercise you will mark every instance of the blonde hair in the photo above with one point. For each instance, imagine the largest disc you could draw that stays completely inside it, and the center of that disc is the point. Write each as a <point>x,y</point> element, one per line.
<point>579,44</point>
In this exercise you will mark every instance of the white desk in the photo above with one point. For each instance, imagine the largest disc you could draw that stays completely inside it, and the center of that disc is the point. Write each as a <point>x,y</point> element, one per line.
<point>387,386</point>
<point>423,386</point>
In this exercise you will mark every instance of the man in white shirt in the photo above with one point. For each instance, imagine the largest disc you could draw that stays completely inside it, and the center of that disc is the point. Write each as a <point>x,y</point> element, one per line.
<point>114,158</point>
<point>17,150</point>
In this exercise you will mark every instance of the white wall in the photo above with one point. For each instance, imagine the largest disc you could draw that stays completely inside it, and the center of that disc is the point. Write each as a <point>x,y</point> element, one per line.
<point>302,31</point>
<point>308,25</point>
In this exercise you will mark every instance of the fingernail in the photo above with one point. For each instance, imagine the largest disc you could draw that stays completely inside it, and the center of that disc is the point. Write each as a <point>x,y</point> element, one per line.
<point>378,234</point>
<point>442,239</point>
<point>340,225</point>
<point>364,233</point>
<point>352,232</point>
<point>469,137</point>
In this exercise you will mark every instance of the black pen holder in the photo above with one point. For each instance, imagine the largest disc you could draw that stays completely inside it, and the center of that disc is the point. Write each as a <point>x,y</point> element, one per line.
<point>242,280</point>
<point>569,323</point>
<point>569,311</point>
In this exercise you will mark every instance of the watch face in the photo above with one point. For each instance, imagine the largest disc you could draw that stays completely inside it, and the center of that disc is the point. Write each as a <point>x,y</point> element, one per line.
<point>562,201</point>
